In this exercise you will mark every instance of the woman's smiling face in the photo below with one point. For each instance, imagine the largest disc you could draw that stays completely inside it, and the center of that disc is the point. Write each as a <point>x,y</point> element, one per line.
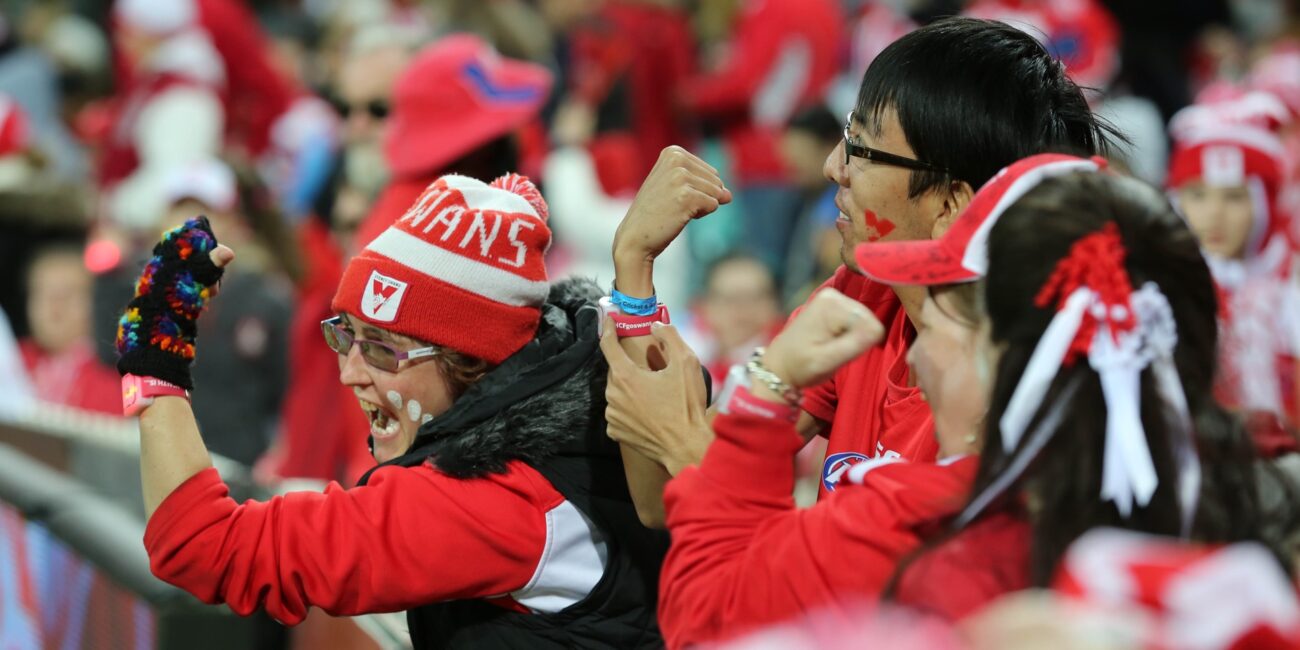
<point>397,403</point>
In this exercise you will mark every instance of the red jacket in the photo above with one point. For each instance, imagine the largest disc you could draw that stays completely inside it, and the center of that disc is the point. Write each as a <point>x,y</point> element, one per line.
<point>744,557</point>
<point>958,577</point>
<point>632,57</point>
<point>783,54</point>
<point>881,415</point>
<point>411,536</point>
<point>258,92</point>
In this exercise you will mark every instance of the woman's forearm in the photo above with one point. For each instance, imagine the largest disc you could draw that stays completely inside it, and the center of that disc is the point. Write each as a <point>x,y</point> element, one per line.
<point>171,449</point>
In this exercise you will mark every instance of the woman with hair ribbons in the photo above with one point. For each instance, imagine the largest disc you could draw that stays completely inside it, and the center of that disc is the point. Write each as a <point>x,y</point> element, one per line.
<point>1225,177</point>
<point>497,516</point>
<point>1064,386</point>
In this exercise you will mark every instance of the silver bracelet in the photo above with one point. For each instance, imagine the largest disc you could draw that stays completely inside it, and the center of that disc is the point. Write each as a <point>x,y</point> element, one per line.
<point>757,370</point>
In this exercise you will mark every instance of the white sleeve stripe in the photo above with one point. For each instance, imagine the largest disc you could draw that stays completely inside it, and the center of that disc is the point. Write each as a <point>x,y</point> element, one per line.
<point>572,562</point>
<point>858,473</point>
<point>784,85</point>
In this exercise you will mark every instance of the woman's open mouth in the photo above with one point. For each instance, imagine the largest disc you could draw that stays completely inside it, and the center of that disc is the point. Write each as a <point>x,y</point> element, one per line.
<point>382,423</point>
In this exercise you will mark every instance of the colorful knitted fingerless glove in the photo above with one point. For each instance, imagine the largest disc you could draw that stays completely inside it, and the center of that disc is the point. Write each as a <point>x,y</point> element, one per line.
<point>155,336</point>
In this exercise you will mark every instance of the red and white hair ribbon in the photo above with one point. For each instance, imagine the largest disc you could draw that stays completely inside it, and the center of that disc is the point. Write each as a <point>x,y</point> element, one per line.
<point>1121,332</point>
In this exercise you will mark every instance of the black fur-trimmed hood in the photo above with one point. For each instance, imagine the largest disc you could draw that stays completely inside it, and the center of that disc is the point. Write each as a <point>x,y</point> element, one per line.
<point>545,397</point>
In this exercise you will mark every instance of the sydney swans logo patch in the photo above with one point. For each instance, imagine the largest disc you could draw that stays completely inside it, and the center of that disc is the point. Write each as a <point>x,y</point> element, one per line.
<point>382,297</point>
<point>835,466</point>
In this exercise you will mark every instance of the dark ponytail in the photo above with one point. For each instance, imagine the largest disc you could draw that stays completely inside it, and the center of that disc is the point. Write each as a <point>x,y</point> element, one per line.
<point>1059,492</point>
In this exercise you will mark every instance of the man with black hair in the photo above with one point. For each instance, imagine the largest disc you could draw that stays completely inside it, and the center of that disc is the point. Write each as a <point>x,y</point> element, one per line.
<point>939,112</point>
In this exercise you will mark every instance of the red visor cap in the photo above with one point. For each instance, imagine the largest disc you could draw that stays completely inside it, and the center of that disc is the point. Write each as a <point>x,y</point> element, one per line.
<point>961,255</point>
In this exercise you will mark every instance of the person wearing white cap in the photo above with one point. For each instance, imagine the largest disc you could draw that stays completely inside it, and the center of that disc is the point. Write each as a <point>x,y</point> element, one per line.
<point>199,187</point>
<point>170,112</point>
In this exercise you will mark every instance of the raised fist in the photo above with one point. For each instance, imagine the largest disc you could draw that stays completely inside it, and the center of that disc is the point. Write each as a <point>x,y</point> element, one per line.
<point>831,330</point>
<point>155,336</point>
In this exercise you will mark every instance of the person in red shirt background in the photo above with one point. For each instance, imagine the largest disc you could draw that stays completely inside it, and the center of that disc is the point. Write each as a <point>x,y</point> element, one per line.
<point>258,92</point>
<point>738,311</point>
<point>253,92</point>
<point>59,356</point>
<point>618,65</point>
<point>1225,178</point>
<point>780,57</point>
<point>913,153</point>
<point>168,110</point>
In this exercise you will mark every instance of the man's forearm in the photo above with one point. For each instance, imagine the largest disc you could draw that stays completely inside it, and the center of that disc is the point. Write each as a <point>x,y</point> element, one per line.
<point>171,449</point>
<point>646,477</point>
<point>634,274</point>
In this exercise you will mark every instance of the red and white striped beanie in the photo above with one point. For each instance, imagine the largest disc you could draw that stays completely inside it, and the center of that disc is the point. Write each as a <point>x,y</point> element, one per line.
<point>1232,143</point>
<point>464,268</point>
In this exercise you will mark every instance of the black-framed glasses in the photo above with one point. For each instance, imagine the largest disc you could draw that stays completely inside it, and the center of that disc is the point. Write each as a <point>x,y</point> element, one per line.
<point>377,108</point>
<point>375,353</point>
<point>855,150</point>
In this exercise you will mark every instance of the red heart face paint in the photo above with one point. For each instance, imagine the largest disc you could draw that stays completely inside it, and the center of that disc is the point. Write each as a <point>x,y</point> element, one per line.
<point>878,228</point>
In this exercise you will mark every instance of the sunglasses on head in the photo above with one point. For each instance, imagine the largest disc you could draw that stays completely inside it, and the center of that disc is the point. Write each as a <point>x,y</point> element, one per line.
<point>855,150</point>
<point>377,108</point>
<point>376,354</point>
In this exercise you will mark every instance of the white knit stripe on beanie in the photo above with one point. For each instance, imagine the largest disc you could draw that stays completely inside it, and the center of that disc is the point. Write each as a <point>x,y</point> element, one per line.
<point>1242,135</point>
<point>481,196</point>
<point>459,271</point>
<point>451,258</point>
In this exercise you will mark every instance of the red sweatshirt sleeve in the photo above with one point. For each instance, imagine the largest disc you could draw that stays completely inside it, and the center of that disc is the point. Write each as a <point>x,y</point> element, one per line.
<point>820,400</point>
<point>411,536</point>
<point>743,556</point>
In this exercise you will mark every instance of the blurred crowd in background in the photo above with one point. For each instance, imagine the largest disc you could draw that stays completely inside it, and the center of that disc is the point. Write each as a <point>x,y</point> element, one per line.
<point>302,128</point>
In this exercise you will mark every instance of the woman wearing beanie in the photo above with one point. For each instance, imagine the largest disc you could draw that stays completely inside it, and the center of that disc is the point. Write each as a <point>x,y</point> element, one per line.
<point>1225,177</point>
<point>498,515</point>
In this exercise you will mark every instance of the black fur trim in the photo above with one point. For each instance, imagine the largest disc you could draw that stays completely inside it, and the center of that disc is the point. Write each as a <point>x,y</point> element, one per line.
<point>542,399</point>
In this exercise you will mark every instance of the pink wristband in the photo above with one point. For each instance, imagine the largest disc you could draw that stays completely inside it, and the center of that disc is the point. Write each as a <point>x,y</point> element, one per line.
<point>625,326</point>
<point>743,402</point>
<point>139,392</point>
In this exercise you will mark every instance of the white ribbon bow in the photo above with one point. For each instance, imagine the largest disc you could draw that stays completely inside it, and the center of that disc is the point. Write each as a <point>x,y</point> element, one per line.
<point>1128,473</point>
